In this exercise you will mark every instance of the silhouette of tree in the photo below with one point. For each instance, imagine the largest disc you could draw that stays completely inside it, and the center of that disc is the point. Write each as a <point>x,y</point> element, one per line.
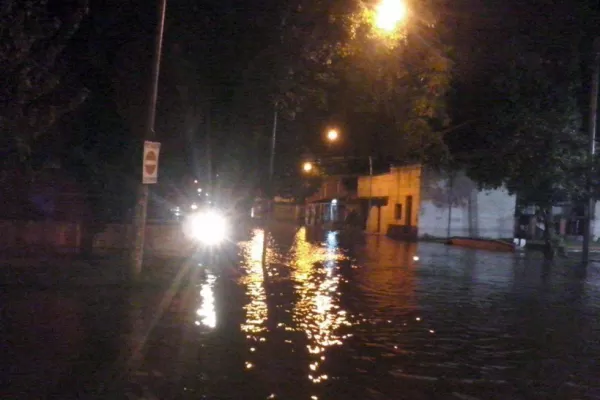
<point>35,87</point>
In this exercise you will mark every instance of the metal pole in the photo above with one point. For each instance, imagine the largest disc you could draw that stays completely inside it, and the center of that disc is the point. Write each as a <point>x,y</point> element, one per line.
<point>209,150</point>
<point>450,200</point>
<point>273,141</point>
<point>587,233</point>
<point>370,189</point>
<point>139,220</point>
<point>269,195</point>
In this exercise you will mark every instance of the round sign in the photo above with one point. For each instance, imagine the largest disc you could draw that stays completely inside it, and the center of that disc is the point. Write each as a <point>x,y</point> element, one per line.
<point>150,162</point>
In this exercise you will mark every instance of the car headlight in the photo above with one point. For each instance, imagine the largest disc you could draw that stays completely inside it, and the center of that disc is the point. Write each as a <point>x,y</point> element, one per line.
<point>208,227</point>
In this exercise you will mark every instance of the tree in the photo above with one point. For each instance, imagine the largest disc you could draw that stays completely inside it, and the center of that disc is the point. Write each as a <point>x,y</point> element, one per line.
<point>527,117</point>
<point>389,90</point>
<point>34,84</point>
<point>398,82</point>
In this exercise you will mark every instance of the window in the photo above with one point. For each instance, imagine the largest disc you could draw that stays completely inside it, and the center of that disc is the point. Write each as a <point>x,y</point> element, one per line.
<point>398,211</point>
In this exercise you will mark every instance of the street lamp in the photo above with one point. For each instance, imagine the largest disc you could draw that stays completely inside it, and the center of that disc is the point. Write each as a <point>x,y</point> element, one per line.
<point>307,166</point>
<point>390,13</point>
<point>332,135</point>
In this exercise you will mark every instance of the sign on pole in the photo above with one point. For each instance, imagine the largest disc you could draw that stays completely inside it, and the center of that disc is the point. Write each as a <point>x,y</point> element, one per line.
<point>150,167</point>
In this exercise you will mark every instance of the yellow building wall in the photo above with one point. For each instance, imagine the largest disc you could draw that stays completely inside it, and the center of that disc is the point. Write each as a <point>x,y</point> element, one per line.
<point>396,185</point>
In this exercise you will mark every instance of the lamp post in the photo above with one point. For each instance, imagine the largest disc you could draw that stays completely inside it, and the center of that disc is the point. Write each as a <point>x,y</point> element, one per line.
<point>307,166</point>
<point>370,186</point>
<point>269,194</point>
<point>141,207</point>
<point>589,210</point>
<point>332,136</point>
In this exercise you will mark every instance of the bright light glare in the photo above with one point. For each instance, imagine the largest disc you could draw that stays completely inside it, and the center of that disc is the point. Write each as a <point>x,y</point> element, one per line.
<point>307,167</point>
<point>389,14</point>
<point>332,135</point>
<point>208,227</point>
<point>194,207</point>
<point>416,258</point>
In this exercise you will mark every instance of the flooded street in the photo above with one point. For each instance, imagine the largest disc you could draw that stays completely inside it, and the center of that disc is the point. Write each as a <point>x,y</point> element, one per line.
<point>337,318</point>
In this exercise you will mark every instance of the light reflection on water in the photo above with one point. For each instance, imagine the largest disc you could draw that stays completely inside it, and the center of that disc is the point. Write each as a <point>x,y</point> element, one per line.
<point>317,312</point>
<point>207,312</point>
<point>256,309</point>
<point>444,318</point>
<point>458,323</point>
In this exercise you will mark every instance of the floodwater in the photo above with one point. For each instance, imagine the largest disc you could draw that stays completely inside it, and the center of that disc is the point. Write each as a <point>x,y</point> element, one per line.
<point>337,318</point>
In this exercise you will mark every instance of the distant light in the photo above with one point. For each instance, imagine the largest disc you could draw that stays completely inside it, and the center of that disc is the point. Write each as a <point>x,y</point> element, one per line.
<point>418,318</point>
<point>194,206</point>
<point>332,135</point>
<point>334,201</point>
<point>416,258</point>
<point>195,180</point>
<point>307,167</point>
<point>199,190</point>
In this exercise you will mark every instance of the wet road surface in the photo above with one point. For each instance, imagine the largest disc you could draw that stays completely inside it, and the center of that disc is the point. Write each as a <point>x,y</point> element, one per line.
<point>338,318</point>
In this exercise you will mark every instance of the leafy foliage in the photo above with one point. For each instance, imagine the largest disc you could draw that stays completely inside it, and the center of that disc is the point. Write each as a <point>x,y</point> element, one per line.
<point>526,111</point>
<point>404,74</point>
<point>532,139</point>
<point>329,53</point>
<point>34,89</point>
<point>324,61</point>
<point>527,115</point>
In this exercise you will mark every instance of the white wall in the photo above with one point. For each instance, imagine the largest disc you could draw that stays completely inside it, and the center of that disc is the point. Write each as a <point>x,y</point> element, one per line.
<point>496,217</point>
<point>596,223</point>
<point>433,221</point>
<point>493,210</point>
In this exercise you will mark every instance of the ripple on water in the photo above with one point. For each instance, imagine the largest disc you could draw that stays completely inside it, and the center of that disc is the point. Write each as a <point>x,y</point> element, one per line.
<point>463,323</point>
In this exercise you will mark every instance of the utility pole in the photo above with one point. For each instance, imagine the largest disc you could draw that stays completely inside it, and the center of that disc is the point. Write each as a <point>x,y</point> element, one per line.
<point>209,149</point>
<point>269,194</point>
<point>591,203</point>
<point>370,189</point>
<point>450,203</point>
<point>141,207</point>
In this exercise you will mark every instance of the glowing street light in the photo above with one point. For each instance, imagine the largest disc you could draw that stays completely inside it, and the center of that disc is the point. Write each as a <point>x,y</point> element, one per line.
<point>307,166</point>
<point>333,135</point>
<point>390,13</point>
